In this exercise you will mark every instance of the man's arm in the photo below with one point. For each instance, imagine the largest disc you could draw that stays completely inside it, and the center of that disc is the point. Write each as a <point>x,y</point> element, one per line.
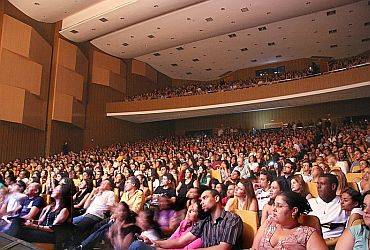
<point>32,214</point>
<point>181,242</point>
<point>221,246</point>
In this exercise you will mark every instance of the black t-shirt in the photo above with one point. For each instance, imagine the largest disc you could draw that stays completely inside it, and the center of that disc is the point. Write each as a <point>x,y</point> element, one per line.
<point>169,192</point>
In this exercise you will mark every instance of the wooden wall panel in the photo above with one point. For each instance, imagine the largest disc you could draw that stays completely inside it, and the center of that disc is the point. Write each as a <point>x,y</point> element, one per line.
<point>20,141</point>
<point>249,120</point>
<point>62,132</point>
<point>63,107</point>
<point>11,103</point>
<point>100,76</point>
<point>67,54</point>
<point>116,82</point>
<point>78,113</point>
<point>18,71</point>
<point>103,130</point>
<point>138,67</point>
<point>70,83</point>
<point>34,111</point>
<point>16,36</point>
<point>151,73</point>
<point>105,61</point>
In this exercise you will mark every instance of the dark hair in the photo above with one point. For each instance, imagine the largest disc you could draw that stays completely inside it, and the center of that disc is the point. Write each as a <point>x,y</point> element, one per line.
<point>364,195</point>
<point>296,200</point>
<point>213,192</point>
<point>283,184</point>
<point>149,216</point>
<point>332,179</point>
<point>213,181</point>
<point>201,214</point>
<point>22,185</point>
<point>135,181</point>
<point>355,195</point>
<point>130,214</point>
<point>268,175</point>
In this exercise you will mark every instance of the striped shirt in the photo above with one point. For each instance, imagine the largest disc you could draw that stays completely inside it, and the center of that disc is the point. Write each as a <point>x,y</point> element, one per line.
<point>227,228</point>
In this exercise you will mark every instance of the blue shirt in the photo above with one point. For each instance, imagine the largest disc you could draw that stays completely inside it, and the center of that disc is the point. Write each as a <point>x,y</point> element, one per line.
<point>361,235</point>
<point>28,203</point>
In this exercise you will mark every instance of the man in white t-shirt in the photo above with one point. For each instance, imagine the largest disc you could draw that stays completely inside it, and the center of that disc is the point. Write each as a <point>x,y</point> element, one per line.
<point>327,207</point>
<point>263,193</point>
<point>98,204</point>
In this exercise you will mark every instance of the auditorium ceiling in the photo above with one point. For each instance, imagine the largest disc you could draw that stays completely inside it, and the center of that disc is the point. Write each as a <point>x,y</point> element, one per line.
<point>204,39</point>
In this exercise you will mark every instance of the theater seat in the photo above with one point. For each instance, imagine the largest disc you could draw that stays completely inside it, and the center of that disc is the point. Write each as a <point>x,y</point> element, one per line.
<point>356,169</point>
<point>353,185</point>
<point>44,246</point>
<point>47,198</point>
<point>351,176</point>
<point>312,189</point>
<point>216,174</point>
<point>250,226</point>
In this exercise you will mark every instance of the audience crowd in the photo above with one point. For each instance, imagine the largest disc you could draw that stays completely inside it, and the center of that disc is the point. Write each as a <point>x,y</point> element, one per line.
<point>186,193</point>
<point>203,88</point>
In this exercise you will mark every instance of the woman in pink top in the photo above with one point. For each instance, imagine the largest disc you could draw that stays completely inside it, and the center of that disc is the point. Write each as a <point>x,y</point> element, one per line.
<point>283,231</point>
<point>193,215</point>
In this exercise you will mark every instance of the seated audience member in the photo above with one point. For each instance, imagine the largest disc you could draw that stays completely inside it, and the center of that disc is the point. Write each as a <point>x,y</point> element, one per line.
<point>219,229</point>
<point>316,172</point>
<point>364,183</point>
<point>335,164</point>
<point>203,177</point>
<point>350,201</point>
<point>342,180</point>
<point>166,216</point>
<point>189,181</point>
<point>298,185</point>
<point>120,225</point>
<point>283,231</point>
<point>229,194</point>
<point>99,202</point>
<point>288,170</point>
<point>327,207</point>
<point>244,198</point>
<point>192,196</point>
<point>166,188</point>
<point>221,188</point>
<point>263,192</point>
<point>79,199</point>
<point>31,208</point>
<point>13,205</point>
<point>306,171</point>
<point>277,186</point>
<point>225,169</point>
<point>144,186</point>
<point>243,169</point>
<point>132,195</point>
<point>357,237</point>
<point>57,213</point>
<point>234,178</point>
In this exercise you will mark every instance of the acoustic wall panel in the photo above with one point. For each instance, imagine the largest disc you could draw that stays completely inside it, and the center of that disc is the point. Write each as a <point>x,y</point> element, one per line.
<point>78,113</point>
<point>21,72</point>
<point>34,114</point>
<point>151,73</point>
<point>69,82</point>
<point>116,82</point>
<point>62,107</point>
<point>100,76</point>
<point>138,67</point>
<point>105,61</point>
<point>11,103</point>
<point>67,55</point>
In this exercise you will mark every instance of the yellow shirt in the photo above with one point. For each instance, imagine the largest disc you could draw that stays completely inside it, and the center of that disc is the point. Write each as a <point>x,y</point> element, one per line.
<point>135,201</point>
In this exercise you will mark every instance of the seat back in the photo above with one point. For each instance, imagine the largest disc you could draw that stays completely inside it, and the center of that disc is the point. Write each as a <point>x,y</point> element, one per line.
<point>250,226</point>
<point>311,221</point>
<point>351,176</point>
<point>356,169</point>
<point>216,174</point>
<point>312,189</point>
<point>47,198</point>
<point>353,185</point>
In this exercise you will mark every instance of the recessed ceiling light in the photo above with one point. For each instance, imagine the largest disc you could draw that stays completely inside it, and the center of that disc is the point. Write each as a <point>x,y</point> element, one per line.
<point>333,46</point>
<point>180,48</point>
<point>195,60</point>
<point>365,40</point>
<point>125,44</point>
<point>262,28</point>
<point>151,36</point>
<point>244,49</point>
<point>268,13</point>
<point>254,60</point>
<point>209,69</point>
<point>222,8</point>
<point>189,73</point>
<point>121,18</point>
<point>36,3</point>
<point>156,54</point>
<point>209,19</point>
<point>108,44</point>
<point>103,19</point>
<point>278,56</point>
<point>245,9</point>
<point>156,6</point>
<point>332,12</point>
<point>74,31</point>
<point>332,31</point>
<point>232,35</point>
<point>271,44</point>
<point>174,65</point>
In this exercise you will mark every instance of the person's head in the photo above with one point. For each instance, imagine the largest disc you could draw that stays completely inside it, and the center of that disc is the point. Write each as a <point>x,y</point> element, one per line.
<point>306,166</point>
<point>366,208</point>
<point>118,178</point>
<point>235,175</point>
<point>366,174</point>
<point>210,199</point>
<point>220,187</point>
<point>332,159</point>
<point>164,169</point>
<point>289,168</point>
<point>265,179</point>
<point>240,162</point>
<point>277,186</point>
<point>363,164</point>
<point>106,185</point>
<point>297,184</point>
<point>34,189</point>
<point>327,187</point>
<point>193,193</point>
<point>166,180</point>
<point>244,189</point>
<point>288,206</point>
<point>63,194</point>
<point>350,199</point>
<point>193,211</point>
<point>316,171</point>
<point>145,220</point>
<point>132,184</point>
<point>122,212</point>
<point>189,173</point>
<point>342,180</point>
<point>230,190</point>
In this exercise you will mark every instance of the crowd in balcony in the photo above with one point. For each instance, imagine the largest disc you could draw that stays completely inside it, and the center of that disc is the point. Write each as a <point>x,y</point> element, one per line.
<point>194,192</point>
<point>222,86</point>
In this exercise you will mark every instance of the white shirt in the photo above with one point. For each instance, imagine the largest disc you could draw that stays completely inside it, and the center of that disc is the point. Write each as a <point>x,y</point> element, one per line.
<point>356,210</point>
<point>244,173</point>
<point>101,203</point>
<point>263,197</point>
<point>328,213</point>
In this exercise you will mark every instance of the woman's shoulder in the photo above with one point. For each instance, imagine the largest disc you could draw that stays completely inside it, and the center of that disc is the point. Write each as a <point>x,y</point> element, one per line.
<point>358,230</point>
